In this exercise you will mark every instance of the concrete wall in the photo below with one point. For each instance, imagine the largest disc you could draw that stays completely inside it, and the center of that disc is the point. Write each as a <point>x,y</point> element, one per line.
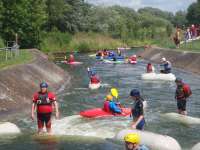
<point>18,83</point>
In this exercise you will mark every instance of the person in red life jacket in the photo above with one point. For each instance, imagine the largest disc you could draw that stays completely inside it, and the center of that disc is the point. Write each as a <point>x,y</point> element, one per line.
<point>150,68</point>
<point>43,102</point>
<point>133,58</point>
<point>106,104</point>
<point>71,58</point>
<point>94,79</point>
<point>183,91</point>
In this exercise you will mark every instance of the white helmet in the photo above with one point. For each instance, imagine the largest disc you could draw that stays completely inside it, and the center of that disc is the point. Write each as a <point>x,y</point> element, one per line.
<point>163,59</point>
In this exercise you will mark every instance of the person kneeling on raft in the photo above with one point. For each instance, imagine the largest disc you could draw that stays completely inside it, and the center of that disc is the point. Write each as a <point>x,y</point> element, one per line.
<point>71,58</point>
<point>111,106</point>
<point>166,66</point>
<point>150,68</point>
<point>183,91</point>
<point>132,142</point>
<point>137,110</point>
<point>94,79</point>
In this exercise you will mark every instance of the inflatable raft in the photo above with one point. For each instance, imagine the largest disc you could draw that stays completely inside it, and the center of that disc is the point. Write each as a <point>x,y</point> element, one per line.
<point>196,147</point>
<point>181,118</point>
<point>158,76</point>
<point>152,140</point>
<point>9,128</point>
<point>132,62</point>
<point>94,86</point>
<point>72,63</point>
<point>113,62</point>
<point>100,112</point>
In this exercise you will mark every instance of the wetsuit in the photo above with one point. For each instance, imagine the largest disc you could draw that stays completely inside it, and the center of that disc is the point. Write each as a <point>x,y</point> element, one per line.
<point>106,106</point>
<point>137,111</point>
<point>182,93</point>
<point>44,108</point>
<point>167,67</point>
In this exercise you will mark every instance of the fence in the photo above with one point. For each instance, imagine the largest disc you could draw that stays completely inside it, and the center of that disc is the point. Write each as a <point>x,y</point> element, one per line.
<point>9,52</point>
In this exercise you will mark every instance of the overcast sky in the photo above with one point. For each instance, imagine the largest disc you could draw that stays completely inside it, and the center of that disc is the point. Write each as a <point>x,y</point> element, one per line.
<point>169,5</point>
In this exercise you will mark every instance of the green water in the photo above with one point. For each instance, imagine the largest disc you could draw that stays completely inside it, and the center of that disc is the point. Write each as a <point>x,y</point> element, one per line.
<point>96,134</point>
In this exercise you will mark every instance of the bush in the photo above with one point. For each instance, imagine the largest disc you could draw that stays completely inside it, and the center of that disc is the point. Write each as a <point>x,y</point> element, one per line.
<point>1,43</point>
<point>55,41</point>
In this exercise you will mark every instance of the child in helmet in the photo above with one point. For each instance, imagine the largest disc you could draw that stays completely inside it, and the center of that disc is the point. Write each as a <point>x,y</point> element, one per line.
<point>132,142</point>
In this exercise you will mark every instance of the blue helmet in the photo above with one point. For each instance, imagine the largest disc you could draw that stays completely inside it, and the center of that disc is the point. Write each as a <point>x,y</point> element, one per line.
<point>178,79</point>
<point>135,92</point>
<point>43,85</point>
<point>93,73</point>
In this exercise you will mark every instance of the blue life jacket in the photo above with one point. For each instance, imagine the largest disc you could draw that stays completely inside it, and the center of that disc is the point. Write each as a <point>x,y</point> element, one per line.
<point>114,108</point>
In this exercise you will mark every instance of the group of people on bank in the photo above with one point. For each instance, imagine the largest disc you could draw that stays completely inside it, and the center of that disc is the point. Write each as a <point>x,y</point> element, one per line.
<point>45,103</point>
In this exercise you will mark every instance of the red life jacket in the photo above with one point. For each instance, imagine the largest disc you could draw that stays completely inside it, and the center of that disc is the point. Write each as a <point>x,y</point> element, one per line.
<point>71,59</point>
<point>94,79</point>
<point>133,58</point>
<point>106,106</point>
<point>183,92</point>
<point>149,68</point>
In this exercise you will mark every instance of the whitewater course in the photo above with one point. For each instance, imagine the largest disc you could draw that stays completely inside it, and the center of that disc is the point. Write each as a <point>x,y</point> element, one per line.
<point>164,130</point>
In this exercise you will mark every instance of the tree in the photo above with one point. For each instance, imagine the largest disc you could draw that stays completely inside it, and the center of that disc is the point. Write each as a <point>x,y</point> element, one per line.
<point>180,19</point>
<point>24,17</point>
<point>193,15</point>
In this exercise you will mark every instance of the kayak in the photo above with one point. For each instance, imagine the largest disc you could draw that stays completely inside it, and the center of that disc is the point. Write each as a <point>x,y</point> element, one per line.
<point>72,63</point>
<point>113,62</point>
<point>158,76</point>
<point>94,86</point>
<point>99,112</point>
<point>132,62</point>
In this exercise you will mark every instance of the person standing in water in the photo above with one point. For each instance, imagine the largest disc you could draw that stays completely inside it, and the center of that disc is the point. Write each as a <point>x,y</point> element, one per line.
<point>183,92</point>
<point>43,102</point>
<point>137,110</point>
<point>132,142</point>
<point>150,68</point>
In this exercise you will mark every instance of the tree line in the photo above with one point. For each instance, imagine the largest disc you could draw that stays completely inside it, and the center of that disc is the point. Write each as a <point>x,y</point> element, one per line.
<point>31,19</point>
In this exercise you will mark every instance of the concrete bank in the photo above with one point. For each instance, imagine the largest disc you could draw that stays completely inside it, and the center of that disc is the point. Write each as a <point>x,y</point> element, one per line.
<point>188,61</point>
<point>18,83</point>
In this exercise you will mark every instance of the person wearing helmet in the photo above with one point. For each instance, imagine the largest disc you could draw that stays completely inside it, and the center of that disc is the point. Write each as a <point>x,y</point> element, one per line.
<point>94,79</point>
<point>132,142</point>
<point>137,110</point>
<point>106,104</point>
<point>166,66</point>
<point>183,91</point>
<point>43,102</point>
<point>71,58</point>
<point>150,68</point>
<point>133,58</point>
<point>111,106</point>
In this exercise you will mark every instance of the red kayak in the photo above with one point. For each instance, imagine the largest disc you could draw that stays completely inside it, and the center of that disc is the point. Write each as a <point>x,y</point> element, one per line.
<point>100,112</point>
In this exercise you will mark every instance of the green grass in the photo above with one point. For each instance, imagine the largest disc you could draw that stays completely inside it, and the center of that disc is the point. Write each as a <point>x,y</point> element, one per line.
<point>55,42</point>
<point>24,57</point>
<point>192,46</point>
<point>85,42</point>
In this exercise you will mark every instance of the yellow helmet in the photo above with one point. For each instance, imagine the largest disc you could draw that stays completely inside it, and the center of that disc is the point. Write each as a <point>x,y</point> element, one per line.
<point>132,138</point>
<point>109,97</point>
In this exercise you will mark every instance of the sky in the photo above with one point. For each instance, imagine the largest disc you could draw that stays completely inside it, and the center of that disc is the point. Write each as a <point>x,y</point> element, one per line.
<point>167,5</point>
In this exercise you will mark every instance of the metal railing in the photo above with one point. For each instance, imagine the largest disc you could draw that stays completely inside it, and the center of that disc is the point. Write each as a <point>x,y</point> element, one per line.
<point>9,52</point>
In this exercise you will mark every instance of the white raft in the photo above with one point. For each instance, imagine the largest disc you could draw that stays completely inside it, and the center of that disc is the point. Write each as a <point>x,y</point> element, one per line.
<point>175,117</point>
<point>196,147</point>
<point>152,140</point>
<point>94,86</point>
<point>9,128</point>
<point>158,76</point>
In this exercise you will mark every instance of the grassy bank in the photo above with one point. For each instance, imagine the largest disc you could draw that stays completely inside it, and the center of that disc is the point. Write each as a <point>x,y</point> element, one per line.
<point>24,57</point>
<point>192,46</point>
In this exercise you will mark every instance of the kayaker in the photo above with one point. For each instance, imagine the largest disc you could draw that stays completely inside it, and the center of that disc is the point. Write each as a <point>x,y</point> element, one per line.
<point>183,91</point>
<point>166,66</point>
<point>133,58</point>
<point>71,58</point>
<point>137,110</point>
<point>94,79</point>
<point>132,142</point>
<point>150,68</point>
<point>111,106</point>
<point>43,102</point>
